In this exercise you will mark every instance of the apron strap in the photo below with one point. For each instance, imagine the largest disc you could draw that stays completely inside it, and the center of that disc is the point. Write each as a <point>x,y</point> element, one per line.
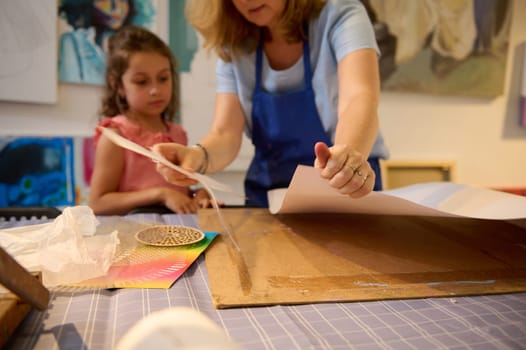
<point>306,65</point>
<point>259,64</point>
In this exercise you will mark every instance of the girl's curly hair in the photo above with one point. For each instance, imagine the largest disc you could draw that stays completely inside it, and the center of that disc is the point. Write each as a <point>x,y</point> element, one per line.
<point>121,46</point>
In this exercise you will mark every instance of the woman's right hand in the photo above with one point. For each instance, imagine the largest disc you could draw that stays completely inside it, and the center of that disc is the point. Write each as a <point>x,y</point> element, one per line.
<point>189,158</point>
<point>347,170</point>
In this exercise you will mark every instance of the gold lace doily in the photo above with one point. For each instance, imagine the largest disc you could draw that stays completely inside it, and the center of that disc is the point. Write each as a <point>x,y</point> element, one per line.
<point>169,235</point>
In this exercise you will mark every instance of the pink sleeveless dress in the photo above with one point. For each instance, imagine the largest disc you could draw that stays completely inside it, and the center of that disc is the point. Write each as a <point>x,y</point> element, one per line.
<point>139,171</point>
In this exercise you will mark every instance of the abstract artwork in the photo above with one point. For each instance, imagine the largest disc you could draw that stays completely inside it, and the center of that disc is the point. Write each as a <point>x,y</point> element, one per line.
<point>182,37</point>
<point>85,26</point>
<point>36,171</point>
<point>522,97</point>
<point>442,47</point>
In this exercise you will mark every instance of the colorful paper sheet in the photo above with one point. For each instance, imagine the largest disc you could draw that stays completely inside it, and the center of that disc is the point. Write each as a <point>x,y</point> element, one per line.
<point>149,267</point>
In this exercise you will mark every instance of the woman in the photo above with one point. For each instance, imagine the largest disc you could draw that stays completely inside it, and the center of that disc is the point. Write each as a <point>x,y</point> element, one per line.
<point>300,77</point>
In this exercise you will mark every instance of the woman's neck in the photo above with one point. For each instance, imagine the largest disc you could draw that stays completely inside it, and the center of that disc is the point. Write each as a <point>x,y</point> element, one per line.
<point>281,54</point>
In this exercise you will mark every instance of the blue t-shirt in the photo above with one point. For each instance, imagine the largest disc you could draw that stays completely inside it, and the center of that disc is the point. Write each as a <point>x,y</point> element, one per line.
<point>342,27</point>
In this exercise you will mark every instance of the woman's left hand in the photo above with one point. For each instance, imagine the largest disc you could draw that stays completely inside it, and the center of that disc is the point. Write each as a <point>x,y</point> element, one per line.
<point>346,169</point>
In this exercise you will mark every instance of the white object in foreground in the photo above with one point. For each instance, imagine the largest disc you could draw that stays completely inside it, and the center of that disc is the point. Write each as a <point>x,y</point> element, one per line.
<point>180,328</point>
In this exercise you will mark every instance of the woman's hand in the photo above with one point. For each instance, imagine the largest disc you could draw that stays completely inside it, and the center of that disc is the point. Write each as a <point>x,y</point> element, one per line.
<point>347,170</point>
<point>189,158</point>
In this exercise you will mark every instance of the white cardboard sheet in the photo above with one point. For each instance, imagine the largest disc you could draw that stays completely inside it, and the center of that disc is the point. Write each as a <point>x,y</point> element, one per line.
<point>308,192</point>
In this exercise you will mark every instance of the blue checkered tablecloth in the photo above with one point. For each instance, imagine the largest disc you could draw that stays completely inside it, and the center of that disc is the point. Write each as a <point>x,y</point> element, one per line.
<point>97,319</point>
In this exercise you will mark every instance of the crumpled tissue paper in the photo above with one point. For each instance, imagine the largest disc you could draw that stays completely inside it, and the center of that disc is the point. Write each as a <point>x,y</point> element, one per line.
<point>65,250</point>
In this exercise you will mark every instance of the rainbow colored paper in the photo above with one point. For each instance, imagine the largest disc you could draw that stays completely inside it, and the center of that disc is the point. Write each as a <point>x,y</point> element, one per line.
<point>149,266</point>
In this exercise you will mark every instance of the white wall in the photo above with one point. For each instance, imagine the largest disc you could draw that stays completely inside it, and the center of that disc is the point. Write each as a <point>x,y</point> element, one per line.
<point>481,135</point>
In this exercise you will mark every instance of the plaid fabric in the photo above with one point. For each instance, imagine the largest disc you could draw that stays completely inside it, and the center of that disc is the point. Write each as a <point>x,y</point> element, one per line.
<point>79,319</point>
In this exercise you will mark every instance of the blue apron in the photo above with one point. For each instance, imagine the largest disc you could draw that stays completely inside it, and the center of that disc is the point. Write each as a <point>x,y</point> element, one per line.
<point>285,128</point>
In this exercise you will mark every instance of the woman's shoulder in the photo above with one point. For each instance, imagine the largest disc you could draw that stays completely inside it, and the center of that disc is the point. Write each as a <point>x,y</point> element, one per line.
<point>345,25</point>
<point>337,11</point>
<point>342,5</point>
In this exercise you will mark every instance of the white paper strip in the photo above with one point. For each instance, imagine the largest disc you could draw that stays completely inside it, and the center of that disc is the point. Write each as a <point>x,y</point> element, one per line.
<point>132,146</point>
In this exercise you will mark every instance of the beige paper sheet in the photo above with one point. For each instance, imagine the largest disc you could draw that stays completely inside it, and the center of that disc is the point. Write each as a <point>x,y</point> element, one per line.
<point>309,193</point>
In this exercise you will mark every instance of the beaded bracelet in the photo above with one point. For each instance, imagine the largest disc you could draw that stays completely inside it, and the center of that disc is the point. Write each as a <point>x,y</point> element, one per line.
<point>204,165</point>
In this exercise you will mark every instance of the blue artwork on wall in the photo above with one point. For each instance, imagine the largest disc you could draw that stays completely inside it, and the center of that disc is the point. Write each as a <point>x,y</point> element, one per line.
<point>84,28</point>
<point>36,171</point>
<point>182,38</point>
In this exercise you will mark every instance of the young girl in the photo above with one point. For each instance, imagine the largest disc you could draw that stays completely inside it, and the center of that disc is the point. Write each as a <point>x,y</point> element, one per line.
<point>140,98</point>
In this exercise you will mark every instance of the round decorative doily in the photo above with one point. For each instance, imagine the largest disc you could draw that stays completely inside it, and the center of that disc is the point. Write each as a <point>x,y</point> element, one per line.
<point>169,235</point>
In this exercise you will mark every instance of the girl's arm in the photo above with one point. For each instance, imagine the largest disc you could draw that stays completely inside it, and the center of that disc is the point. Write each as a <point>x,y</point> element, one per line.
<point>104,197</point>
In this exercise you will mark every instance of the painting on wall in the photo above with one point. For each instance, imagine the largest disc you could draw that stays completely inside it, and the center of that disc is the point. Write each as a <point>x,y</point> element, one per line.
<point>28,51</point>
<point>522,98</point>
<point>84,159</point>
<point>182,37</point>
<point>446,47</point>
<point>36,171</point>
<point>84,28</point>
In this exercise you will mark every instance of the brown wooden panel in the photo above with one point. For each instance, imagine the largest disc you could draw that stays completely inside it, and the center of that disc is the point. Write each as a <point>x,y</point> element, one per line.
<point>12,312</point>
<point>299,258</point>
<point>400,173</point>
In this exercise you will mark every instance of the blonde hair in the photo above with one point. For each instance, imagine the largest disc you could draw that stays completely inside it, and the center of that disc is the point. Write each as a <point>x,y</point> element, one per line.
<point>228,33</point>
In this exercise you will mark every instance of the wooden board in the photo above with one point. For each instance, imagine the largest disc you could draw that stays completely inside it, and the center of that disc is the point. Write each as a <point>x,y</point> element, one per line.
<point>12,312</point>
<point>27,292</point>
<point>300,258</point>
